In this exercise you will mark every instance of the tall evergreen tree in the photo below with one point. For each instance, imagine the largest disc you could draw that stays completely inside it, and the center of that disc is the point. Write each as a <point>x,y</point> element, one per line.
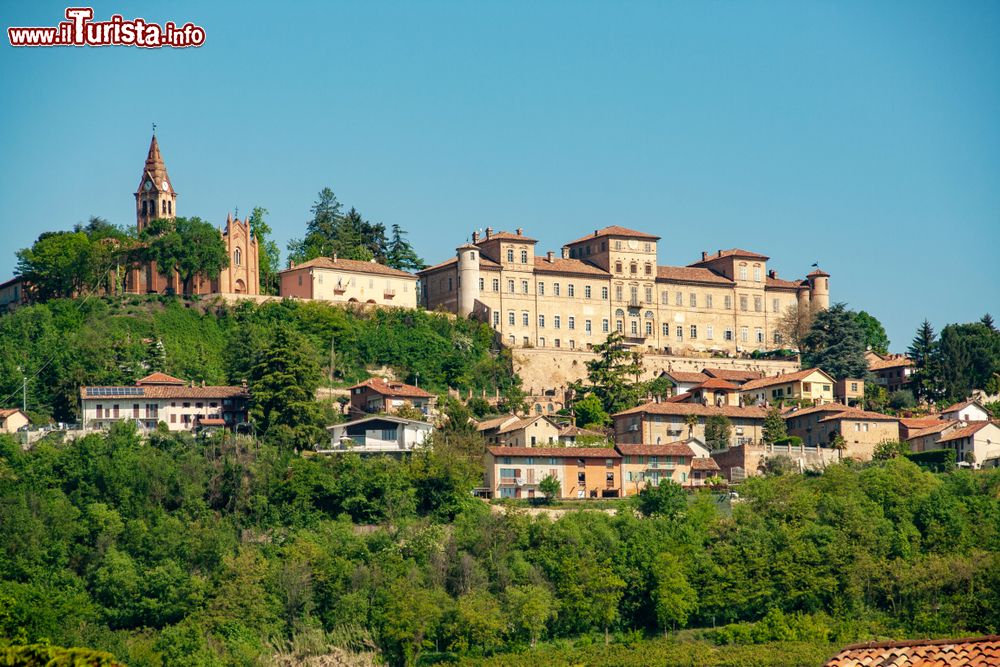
<point>400,254</point>
<point>269,257</point>
<point>967,357</point>
<point>774,426</point>
<point>836,344</point>
<point>922,351</point>
<point>613,375</point>
<point>987,319</point>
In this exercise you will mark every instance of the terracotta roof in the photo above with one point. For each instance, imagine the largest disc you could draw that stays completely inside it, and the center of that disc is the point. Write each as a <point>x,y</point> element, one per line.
<point>732,252</point>
<point>159,378</point>
<point>161,391</point>
<point>733,374</point>
<point>506,236</point>
<point>685,376</point>
<point>917,423</point>
<point>853,413</point>
<point>576,431</point>
<point>891,362</point>
<point>960,406</point>
<point>485,263</point>
<point>968,652</point>
<point>782,379</point>
<point>695,409</point>
<point>615,230</point>
<point>716,383</point>
<point>690,274</point>
<point>826,407</point>
<point>965,432</point>
<point>211,421</point>
<point>818,273</point>
<point>779,283</point>
<point>669,449</point>
<point>353,265</point>
<point>4,413</point>
<point>704,463</point>
<point>565,452</point>
<point>931,430</point>
<point>520,423</point>
<point>495,422</point>
<point>680,398</point>
<point>560,265</point>
<point>380,386</point>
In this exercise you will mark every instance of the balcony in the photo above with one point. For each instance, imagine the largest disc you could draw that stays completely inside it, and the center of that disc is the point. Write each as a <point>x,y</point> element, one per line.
<point>389,293</point>
<point>660,465</point>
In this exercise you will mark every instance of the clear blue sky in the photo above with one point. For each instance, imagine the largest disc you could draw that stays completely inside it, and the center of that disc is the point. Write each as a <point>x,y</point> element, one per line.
<point>863,135</point>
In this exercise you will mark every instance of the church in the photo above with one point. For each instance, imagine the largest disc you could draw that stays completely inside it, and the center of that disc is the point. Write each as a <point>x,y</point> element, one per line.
<point>156,198</point>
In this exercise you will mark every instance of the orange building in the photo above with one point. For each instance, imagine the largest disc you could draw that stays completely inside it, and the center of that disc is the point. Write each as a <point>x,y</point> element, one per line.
<point>644,465</point>
<point>583,472</point>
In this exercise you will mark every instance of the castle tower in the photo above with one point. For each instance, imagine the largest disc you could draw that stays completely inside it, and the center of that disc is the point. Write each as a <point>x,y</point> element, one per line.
<point>468,278</point>
<point>819,290</point>
<point>155,197</point>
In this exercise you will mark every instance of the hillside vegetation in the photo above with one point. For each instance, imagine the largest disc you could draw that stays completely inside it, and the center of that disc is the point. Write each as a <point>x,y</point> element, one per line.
<point>70,343</point>
<point>224,552</point>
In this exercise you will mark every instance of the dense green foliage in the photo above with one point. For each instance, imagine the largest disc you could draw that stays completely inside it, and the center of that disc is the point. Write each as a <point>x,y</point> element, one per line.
<point>835,343</point>
<point>268,254</point>
<point>963,358</point>
<point>64,344</point>
<point>189,246</point>
<point>613,377</point>
<point>173,552</point>
<point>875,337</point>
<point>42,655</point>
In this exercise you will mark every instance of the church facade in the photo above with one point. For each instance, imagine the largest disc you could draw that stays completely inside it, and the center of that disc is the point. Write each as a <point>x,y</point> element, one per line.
<point>155,198</point>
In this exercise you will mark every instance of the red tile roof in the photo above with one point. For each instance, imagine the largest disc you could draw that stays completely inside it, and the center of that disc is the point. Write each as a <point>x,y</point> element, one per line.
<point>826,407</point>
<point>485,264</point>
<point>716,383</point>
<point>680,398</point>
<point>694,409</point>
<point>495,422</point>
<point>211,421</point>
<point>560,265</point>
<point>564,452</point>
<point>576,431</point>
<point>968,652</point>
<point>779,283</point>
<point>965,432</point>
<point>733,374</point>
<point>505,236</point>
<point>936,428</point>
<point>669,449</point>
<point>164,391</point>
<point>4,413</point>
<point>380,386</point>
<point>732,252</point>
<point>916,423</point>
<point>686,376</point>
<point>353,265</point>
<point>689,274</point>
<point>616,230</point>
<point>960,406</point>
<point>853,413</point>
<point>782,379</point>
<point>892,362</point>
<point>818,273</point>
<point>159,378</point>
<point>704,463</point>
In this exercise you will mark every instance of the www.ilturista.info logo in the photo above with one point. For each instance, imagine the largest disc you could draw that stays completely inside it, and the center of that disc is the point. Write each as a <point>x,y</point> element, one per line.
<point>80,30</point>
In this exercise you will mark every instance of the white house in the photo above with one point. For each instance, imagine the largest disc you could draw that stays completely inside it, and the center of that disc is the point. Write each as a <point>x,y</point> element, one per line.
<point>378,434</point>
<point>966,411</point>
<point>11,420</point>
<point>981,439</point>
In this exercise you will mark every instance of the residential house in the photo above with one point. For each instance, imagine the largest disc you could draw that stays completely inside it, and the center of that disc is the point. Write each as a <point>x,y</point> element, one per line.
<point>862,431</point>
<point>514,431</point>
<point>643,465</point>
<point>810,385</point>
<point>684,381</point>
<point>926,439</point>
<point>341,280</point>
<point>378,434</point>
<point>703,468</point>
<point>891,371</point>
<point>571,436</point>
<point>920,653</point>
<point>12,420</point>
<point>377,395</point>
<point>966,411</point>
<point>908,426</point>
<point>159,398</point>
<point>13,293</point>
<point>976,443</point>
<point>583,472</point>
<point>849,391</point>
<point>713,391</point>
<point>661,423</point>
<point>737,376</point>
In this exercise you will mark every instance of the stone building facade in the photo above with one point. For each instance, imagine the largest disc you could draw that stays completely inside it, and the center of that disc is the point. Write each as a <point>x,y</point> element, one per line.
<point>349,281</point>
<point>726,302</point>
<point>155,198</point>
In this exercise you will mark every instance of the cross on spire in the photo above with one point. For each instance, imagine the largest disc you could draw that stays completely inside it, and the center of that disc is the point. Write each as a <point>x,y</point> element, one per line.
<point>154,128</point>
<point>237,212</point>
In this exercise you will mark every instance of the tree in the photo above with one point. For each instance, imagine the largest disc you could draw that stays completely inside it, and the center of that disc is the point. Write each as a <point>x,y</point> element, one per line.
<point>666,499</point>
<point>551,487</point>
<point>874,333</point>
<point>613,375</point>
<point>793,325</point>
<point>269,257</point>
<point>58,264</point>
<point>283,383</point>
<point>923,353</point>
<point>902,399</point>
<point>890,449</point>
<point>987,320</point>
<point>718,432</point>
<point>876,397</point>
<point>673,596</point>
<point>690,421</point>
<point>400,254</point>
<point>836,344</point>
<point>967,357</point>
<point>774,426</point>
<point>529,608</point>
<point>590,412</point>
<point>189,246</point>
<point>320,230</point>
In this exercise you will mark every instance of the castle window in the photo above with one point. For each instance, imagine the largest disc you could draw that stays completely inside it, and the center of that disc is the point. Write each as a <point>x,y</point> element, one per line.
<point>618,245</point>
<point>649,328</point>
<point>709,332</point>
<point>633,269</point>
<point>729,302</point>
<point>757,304</point>
<point>693,299</point>
<point>556,321</point>
<point>604,326</point>
<point>496,318</point>
<point>541,289</point>
<point>727,334</point>
<point>649,269</point>
<point>604,293</point>
<point>586,326</point>
<point>524,286</point>
<point>555,289</point>
<point>649,314</point>
<point>524,257</point>
<point>586,292</point>
<point>744,334</point>
<point>541,321</point>
<point>756,273</point>
<point>237,257</point>
<point>510,255</point>
<point>619,313</point>
<point>524,318</point>
<point>678,299</point>
<point>680,332</point>
<point>620,326</point>
<point>635,327</point>
<point>481,284</point>
<point>649,247</point>
<point>665,298</point>
<point>760,335</point>
<point>649,295</point>
<point>496,284</point>
<point>708,300</point>
<point>570,291</point>
<point>775,305</point>
<point>694,331</point>
<point>743,303</point>
<point>618,292</point>
<point>571,323</point>
<point>510,286</point>
<point>666,329</point>
<point>743,273</point>
<point>510,318</point>
<point>618,267</point>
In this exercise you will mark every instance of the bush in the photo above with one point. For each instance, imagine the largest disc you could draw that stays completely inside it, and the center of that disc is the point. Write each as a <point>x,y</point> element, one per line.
<point>902,399</point>
<point>792,440</point>
<point>936,460</point>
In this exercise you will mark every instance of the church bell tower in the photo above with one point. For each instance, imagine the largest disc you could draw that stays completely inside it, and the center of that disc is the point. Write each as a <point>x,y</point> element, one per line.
<point>155,197</point>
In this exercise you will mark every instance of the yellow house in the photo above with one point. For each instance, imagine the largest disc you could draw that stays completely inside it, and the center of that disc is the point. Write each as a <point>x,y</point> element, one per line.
<point>811,384</point>
<point>513,431</point>
<point>11,420</point>
<point>349,281</point>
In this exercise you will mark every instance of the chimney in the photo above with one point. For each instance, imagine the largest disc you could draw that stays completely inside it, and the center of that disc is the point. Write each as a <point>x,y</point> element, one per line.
<point>489,232</point>
<point>720,252</point>
<point>475,237</point>
<point>335,257</point>
<point>291,264</point>
<point>243,383</point>
<point>550,256</point>
<point>202,383</point>
<point>565,252</point>
<point>704,255</point>
<point>520,231</point>
<point>772,274</point>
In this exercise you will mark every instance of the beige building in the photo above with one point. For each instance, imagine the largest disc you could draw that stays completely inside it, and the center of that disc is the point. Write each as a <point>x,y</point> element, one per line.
<point>891,371</point>
<point>349,281</point>
<point>661,423</point>
<point>727,301</point>
<point>648,465</point>
<point>976,443</point>
<point>13,294</point>
<point>811,384</point>
<point>376,395</point>
<point>12,420</point>
<point>862,430</point>
<point>513,431</point>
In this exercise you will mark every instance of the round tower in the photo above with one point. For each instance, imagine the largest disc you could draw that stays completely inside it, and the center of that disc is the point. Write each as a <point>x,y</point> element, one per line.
<point>819,290</point>
<point>468,278</point>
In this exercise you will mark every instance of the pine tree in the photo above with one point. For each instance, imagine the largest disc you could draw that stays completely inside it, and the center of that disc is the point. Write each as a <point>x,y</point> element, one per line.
<point>718,432</point>
<point>923,353</point>
<point>774,426</point>
<point>400,254</point>
<point>835,343</point>
<point>614,374</point>
<point>987,319</point>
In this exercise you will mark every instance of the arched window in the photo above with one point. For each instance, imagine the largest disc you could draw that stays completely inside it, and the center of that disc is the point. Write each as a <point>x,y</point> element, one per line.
<point>170,207</point>
<point>649,314</point>
<point>619,313</point>
<point>237,257</point>
<point>144,209</point>
<point>163,206</point>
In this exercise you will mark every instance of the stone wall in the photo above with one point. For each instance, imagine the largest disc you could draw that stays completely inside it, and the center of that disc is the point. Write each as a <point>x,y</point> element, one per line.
<point>751,458</point>
<point>541,369</point>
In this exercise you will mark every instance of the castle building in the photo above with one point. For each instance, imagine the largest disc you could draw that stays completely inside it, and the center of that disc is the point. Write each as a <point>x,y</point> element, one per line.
<point>726,302</point>
<point>156,198</point>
